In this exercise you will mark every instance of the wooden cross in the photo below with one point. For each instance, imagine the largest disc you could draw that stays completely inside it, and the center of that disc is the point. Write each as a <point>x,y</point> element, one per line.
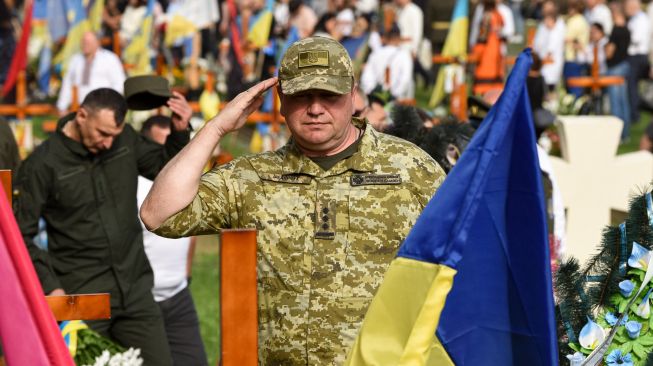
<point>595,82</point>
<point>238,302</point>
<point>593,180</point>
<point>21,108</point>
<point>69,307</point>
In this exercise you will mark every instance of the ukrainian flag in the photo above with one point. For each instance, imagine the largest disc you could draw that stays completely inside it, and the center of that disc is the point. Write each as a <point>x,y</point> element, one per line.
<point>259,30</point>
<point>95,8</point>
<point>79,24</point>
<point>476,265</point>
<point>455,45</point>
<point>137,52</point>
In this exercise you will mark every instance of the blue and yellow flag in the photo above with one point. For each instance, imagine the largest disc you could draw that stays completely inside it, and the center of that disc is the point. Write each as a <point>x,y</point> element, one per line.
<point>476,265</point>
<point>94,10</point>
<point>79,24</point>
<point>454,46</point>
<point>259,28</point>
<point>137,52</point>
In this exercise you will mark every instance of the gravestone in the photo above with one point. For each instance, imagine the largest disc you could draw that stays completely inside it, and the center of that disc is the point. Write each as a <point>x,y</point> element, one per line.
<point>593,179</point>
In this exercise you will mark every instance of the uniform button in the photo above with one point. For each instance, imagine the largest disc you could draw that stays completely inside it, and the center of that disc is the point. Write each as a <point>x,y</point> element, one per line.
<point>325,226</point>
<point>325,218</point>
<point>325,210</point>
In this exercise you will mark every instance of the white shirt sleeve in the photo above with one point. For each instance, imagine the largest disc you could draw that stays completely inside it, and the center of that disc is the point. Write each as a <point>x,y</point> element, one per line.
<point>402,75</point>
<point>69,80</point>
<point>476,23</point>
<point>118,75</point>
<point>640,34</point>
<point>508,29</point>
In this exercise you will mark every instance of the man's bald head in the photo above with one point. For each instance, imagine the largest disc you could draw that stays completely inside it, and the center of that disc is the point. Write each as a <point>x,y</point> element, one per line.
<point>90,44</point>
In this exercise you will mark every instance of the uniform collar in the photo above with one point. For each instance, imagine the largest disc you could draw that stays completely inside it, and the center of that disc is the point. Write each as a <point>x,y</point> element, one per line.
<point>295,162</point>
<point>72,145</point>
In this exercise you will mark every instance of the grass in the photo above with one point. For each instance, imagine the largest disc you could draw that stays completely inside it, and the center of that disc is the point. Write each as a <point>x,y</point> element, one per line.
<point>205,288</point>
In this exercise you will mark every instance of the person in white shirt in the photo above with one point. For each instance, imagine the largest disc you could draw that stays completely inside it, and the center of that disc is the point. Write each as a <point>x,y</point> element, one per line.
<point>597,11</point>
<point>507,31</point>
<point>171,260</point>
<point>390,67</point>
<point>640,44</point>
<point>132,20</point>
<point>597,44</point>
<point>344,16</point>
<point>410,20</point>
<point>549,44</point>
<point>91,69</point>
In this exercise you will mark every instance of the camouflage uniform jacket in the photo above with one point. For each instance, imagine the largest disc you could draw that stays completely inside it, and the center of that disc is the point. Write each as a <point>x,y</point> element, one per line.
<point>325,237</point>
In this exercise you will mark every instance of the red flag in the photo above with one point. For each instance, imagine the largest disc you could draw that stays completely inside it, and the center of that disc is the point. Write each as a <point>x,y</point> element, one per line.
<point>19,62</point>
<point>29,332</point>
<point>235,33</point>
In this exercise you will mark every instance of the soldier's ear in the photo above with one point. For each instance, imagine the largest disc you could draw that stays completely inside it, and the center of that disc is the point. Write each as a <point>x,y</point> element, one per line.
<point>282,97</point>
<point>82,116</point>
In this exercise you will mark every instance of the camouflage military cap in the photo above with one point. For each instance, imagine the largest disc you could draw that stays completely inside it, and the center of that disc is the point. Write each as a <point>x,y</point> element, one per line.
<point>316,63</point>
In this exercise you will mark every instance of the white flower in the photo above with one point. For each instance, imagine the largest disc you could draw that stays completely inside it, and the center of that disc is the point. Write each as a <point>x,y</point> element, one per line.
<point>644,308</point>
<point>131,357</point>
<point>639,257</point>
<point>591,335</point>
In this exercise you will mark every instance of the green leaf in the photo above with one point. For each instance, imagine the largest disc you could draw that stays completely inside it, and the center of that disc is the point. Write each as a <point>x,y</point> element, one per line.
<point>586,351</point>
<point>639,351</point>
<point>626,347</point>
<point>645,340</point>
<point>575,347</point>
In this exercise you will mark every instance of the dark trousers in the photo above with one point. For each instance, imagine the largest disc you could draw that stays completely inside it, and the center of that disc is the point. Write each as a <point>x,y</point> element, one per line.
<point>638,70</point>
<point>183,330</point>
<point>137,323</point>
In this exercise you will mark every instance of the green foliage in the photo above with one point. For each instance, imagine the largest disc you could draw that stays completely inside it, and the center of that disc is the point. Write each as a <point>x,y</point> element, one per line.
<point>91,344</point>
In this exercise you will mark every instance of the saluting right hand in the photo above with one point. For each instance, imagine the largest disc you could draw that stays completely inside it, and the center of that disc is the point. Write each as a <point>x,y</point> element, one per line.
<point>235,113</point>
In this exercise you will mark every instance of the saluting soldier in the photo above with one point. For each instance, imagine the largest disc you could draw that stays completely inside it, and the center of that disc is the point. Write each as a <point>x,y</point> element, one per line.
<point>332,206</point>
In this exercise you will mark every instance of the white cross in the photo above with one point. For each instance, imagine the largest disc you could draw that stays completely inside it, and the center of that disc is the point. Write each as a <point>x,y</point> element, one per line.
<point>593,179</point>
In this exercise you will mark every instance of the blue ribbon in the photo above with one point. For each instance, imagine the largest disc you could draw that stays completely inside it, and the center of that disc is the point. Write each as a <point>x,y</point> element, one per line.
<point>624,248</point>
<point>649,209</point>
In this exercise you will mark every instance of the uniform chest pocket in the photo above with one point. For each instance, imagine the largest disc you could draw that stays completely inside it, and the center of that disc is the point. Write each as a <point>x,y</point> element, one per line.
<point>282,204</point>
<point>380,217</point>
<point>73,187</point>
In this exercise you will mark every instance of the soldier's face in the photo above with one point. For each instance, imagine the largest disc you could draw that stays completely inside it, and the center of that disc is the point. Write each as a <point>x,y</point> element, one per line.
<point>97,129</point>
<point>319,120</point>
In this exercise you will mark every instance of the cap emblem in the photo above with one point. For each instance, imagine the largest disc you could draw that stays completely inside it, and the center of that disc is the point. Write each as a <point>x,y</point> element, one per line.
<point>314,58</point>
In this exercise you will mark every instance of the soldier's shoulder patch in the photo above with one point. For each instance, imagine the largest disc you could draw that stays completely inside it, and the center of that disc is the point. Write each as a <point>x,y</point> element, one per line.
<point>314,58</point>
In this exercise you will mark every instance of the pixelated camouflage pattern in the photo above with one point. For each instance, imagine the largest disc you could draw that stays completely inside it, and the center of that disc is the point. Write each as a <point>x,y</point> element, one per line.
<point>324,243</point>
<point>297,75</point>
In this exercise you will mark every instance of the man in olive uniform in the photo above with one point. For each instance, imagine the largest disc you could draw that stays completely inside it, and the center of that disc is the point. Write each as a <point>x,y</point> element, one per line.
<point>82,181</point>
<point>332,206</point>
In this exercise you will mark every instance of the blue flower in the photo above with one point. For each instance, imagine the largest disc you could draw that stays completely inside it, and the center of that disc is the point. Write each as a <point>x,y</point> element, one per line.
<point>611,319</point>
<point>633,328</point>
<point>616,358</point>
<point>626,287</point>
<point>576,359</point>
<point>640,257</point>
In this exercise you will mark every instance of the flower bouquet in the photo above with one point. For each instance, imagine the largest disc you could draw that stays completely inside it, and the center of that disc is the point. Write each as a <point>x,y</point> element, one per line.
<point>609,299</point>
<point>88,347</point>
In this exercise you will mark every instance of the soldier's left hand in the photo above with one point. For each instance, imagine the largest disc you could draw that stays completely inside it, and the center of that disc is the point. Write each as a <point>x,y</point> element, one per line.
<point>181,111</point>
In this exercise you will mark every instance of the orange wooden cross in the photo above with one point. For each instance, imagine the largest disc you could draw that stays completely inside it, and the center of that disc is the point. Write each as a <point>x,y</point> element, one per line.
<point>21,108</point>
<point>596,82</point>
<point>238,298</point>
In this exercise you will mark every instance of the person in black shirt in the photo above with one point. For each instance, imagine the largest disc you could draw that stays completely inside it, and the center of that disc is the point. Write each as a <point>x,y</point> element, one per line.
<point>7,40</point>
<point>616,53</point>
<point>82,181</point>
